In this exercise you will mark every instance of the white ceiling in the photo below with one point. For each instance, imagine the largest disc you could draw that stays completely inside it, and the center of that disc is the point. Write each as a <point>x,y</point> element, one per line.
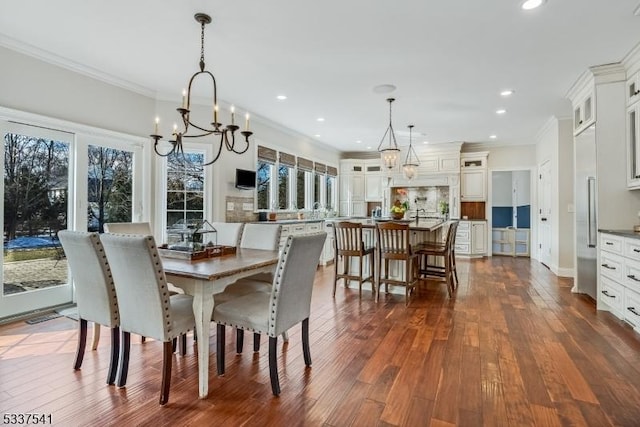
<point>449,59</point>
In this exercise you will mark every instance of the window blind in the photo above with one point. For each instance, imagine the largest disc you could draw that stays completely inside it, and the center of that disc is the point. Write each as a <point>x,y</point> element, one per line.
<point>304,164</point>
<point>287,159</point>
<point>267,154</point>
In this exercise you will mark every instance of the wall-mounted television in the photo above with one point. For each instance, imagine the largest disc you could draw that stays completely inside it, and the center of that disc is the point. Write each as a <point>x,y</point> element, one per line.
<point>245,179</point>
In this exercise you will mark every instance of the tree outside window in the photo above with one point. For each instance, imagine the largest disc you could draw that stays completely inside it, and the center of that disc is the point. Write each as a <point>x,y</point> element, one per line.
<point>284,184</point>
<point>185,188</point>
<point>263,178</point>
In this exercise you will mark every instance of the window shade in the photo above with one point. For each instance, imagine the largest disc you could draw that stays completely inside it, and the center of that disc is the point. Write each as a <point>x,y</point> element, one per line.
<point>331,171</point>
<point>320,167</point>
<point>267,154</point>
<point>287,159</point>
<point>305,165</point>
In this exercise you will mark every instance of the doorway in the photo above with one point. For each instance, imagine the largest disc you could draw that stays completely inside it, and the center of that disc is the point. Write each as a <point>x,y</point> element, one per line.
<point>510,212</point>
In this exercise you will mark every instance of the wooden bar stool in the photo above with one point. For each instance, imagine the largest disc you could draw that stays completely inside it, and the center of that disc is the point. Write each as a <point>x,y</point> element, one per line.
<point>393,244</point>
<point>446,252</point>
<point>348,243</point>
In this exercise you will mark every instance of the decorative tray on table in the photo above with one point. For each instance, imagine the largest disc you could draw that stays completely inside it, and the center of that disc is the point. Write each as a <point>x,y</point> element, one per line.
<point>186,240</point>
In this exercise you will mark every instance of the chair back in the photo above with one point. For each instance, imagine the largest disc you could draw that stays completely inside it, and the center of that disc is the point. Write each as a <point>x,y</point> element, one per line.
<point>451,235</point>
<point>94,288</point>
<point>261,236</point>
<point>293,282</point>
<point>140,281</point>
<point>228,233</point>
<point>348,238</point>
<point>393,240</point>
<point>142,228</point>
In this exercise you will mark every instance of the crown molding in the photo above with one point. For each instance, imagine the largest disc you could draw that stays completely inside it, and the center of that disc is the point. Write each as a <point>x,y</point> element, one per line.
<point>59,61</point>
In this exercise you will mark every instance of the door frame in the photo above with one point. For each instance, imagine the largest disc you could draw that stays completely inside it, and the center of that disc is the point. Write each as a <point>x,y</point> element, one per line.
<point>549,225</point>
<point>533,233</point>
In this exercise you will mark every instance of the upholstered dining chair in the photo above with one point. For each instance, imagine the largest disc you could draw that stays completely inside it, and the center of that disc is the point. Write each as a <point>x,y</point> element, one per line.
<point>288,303</point>
<point>445,269</point>
<point>348,244</point>
<point>254,236</point>
<point>228,233</point>
<point>146,308</point>
<point>94,290</point>
<point>393,244</point>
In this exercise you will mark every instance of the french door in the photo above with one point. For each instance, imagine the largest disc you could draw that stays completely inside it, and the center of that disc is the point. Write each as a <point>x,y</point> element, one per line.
<point>56,180</point>
<point>37,165</point>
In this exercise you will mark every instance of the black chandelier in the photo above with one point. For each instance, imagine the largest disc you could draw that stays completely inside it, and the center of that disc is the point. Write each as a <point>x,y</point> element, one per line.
<point>226,133</point>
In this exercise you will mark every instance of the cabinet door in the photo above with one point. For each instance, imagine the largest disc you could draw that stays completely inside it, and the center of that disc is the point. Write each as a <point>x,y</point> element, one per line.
<point>479,237</point>
<point>473,185</point>
<point>633,147</point>
<point>373,188</point>
<point>428,164</point>
<point>584,113</point>
<point>358,209</point>
<point>454,202</point>
<point>449,163</point>
<point>357,187</point>
<point>633,89</point>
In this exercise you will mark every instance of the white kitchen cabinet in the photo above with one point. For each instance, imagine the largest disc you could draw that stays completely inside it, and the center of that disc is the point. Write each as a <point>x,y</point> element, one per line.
<point>633,146</point>
<point>471,238</point>
<point>454,201</point>
<point>478,237</point>
<point>584,112</point>
<point>373,187</point>
<point>473,184</point>
<point>352,188</point>
<point>633,88</point>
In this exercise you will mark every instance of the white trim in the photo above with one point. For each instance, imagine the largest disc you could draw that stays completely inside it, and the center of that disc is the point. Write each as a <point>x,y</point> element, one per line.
<point>566,272</point>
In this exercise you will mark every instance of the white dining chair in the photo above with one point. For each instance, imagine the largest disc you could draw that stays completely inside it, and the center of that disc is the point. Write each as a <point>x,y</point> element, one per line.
<point>146,308</point>
<point>228,233</point>
<point>95,292</point>
<point>254,236</point>
<point>140,228</point>
<point>288,303</point>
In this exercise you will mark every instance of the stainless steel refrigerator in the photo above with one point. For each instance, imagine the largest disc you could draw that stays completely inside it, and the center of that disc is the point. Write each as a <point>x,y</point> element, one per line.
<point>586,212</point>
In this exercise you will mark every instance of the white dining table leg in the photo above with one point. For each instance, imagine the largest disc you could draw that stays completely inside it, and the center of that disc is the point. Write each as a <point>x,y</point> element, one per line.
<point>202,309</point>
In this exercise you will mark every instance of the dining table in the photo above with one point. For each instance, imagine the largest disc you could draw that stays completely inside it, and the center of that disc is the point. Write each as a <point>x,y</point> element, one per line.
<point>205,277</point>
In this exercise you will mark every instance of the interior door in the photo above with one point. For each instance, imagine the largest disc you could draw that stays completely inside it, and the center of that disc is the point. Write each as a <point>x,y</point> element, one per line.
<point>37,203</point>
<point>544,213</point>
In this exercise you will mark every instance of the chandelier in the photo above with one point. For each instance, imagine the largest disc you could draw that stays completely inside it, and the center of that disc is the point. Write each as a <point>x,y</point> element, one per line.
<point>411,162</point>
<point>193,130</point>
<point>389,154</point>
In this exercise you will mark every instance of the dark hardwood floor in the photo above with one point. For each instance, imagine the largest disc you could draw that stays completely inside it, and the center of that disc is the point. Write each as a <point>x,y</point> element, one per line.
<point>513,347</point>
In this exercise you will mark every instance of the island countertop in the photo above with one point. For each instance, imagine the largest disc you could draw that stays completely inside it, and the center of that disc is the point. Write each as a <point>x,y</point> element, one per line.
<point>622,233</point>
<point>420,225</point>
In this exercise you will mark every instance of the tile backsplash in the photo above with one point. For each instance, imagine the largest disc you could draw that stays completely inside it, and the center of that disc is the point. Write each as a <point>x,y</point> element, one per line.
<point>426,198</point>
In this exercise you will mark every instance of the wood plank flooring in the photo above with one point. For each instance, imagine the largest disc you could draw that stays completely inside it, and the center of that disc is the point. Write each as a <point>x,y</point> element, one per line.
<point>514,347</point>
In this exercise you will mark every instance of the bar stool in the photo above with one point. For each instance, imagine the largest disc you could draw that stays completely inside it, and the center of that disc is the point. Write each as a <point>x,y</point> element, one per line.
<point>446,251</point>
<point>348,243</point>
<point>393,244</point>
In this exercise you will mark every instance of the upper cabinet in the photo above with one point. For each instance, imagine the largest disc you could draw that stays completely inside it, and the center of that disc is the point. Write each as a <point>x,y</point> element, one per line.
<point>584,112</point>
<point>633,88</point>
<point>473,177</point>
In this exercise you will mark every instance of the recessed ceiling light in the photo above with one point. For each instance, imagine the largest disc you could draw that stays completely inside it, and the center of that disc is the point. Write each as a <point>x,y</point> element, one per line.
<point>320,119</point>
<point>507,92</point>
<point>493,136</point>
<point>281,97</point>
<point>425,142</point>
<point>532,4</point>
<point>386,88</point>
<point>501,111</point>
<point>358,142</point>
<point>317,135</point>
<point>369,148</point>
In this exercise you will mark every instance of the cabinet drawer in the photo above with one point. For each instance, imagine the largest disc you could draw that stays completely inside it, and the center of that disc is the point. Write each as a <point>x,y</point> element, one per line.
<point>314,227</point>
<point>632,274</point>
<point>611,243</point>
<point>632,249</point>
<point>632,307</point>
<point>611,293</point>
<point>612,266</point>
<point>298,229</point>
<point>463,236</point>
<point>462,248</point>
<point>285,230</point>
<point>464,225</point>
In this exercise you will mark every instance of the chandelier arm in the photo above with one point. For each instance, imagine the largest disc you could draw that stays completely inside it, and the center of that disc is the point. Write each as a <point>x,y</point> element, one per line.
<point>217,155</point>
<point>155,148</point>
<point>246,135</point>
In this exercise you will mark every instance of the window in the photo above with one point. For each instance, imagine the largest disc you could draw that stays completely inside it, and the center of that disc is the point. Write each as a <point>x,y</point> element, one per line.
<point>109,186</point>
<point>317,187</point>
<point>300,188</point>
<point>185,188</point>
<point>263,178</point>
<point>330,192</point>
<point>284,186</point>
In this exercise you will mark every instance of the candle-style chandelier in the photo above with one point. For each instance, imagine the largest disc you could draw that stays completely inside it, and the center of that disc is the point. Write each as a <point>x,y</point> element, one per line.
<point>389,154</point>
<point>226,133</point>
<point>411,162</point>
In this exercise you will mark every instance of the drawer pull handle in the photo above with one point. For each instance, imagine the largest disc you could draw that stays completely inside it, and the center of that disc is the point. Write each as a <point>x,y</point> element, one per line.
<point>608,243</point>
<point>633,277</point>
<point>636,250</point>
<point>633,310</point>
<point>608,267</point>
<point>606,294</point>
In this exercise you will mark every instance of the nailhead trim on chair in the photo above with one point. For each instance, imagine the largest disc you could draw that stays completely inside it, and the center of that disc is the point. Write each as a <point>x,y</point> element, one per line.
<point>163,283</point>
<point>95,239</point>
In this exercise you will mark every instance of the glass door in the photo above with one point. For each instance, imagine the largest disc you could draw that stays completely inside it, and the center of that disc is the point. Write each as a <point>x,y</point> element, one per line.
<point>37,199</point>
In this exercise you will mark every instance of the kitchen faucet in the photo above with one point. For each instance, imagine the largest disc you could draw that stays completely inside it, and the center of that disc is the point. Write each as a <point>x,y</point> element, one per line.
<point>418,214</point>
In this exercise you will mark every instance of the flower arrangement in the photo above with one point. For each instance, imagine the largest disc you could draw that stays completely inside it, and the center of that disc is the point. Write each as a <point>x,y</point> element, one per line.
<point>398,209</point>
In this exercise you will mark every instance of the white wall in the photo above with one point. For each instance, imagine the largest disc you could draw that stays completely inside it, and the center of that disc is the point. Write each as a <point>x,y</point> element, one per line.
<point>502,188</point>
<point>32,85</point>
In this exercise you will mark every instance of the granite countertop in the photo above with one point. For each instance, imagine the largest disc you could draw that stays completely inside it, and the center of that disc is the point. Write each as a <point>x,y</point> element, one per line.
<point>623,233</point>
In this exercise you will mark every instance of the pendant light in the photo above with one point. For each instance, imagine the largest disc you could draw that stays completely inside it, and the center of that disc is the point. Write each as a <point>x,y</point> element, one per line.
<point>411,162</point>
<point>389,153</point>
